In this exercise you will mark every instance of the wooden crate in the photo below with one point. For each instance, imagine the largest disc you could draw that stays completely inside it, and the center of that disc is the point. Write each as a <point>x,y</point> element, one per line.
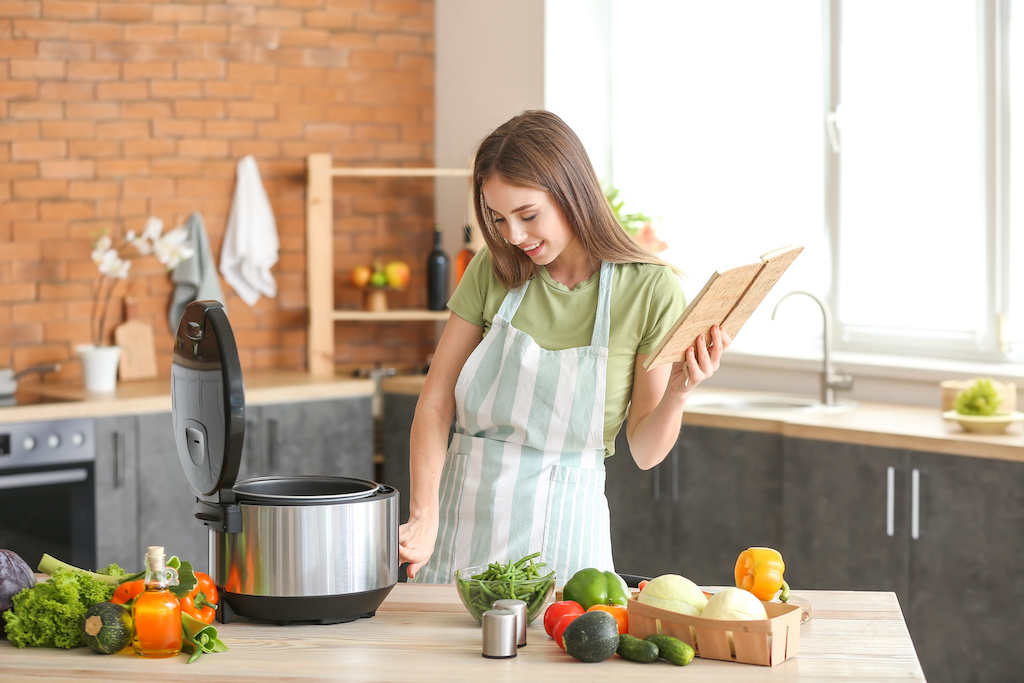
<point>765,642</point>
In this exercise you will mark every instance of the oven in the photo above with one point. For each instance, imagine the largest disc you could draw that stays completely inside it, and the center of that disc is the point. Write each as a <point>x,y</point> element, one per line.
<point>47,496</point>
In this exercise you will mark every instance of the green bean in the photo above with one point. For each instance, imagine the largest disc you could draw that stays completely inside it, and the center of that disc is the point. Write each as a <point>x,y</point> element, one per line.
<point>506,582</point>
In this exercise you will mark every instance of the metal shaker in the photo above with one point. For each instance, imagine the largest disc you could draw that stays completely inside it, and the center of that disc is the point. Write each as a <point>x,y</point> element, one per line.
<point>518,607</point>
<point>499,627</point>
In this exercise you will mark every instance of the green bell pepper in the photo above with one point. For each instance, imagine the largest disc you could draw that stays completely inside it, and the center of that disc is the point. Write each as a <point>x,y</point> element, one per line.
<point>591,587</point>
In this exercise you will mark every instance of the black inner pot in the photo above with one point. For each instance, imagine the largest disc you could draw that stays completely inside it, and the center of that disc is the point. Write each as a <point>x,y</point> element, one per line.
<point>304,490</point>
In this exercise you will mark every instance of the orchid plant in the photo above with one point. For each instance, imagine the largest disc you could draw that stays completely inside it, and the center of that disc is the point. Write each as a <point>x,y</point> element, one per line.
<point>114,262</point>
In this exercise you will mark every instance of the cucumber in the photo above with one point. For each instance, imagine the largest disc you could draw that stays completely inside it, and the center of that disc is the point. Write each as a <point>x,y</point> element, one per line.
<point>636,650</point>
<point>107,628</point>
<point>592,636</point>
<point>672,649</point>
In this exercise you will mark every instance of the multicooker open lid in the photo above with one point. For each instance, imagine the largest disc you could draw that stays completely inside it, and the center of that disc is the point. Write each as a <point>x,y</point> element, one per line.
<point>208,404</point>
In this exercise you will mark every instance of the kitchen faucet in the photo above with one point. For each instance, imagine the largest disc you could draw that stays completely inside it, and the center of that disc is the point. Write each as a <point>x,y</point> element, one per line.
<point>830,381</point>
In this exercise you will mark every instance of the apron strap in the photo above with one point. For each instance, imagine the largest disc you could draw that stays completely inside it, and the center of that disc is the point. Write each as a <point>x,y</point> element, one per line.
<point>603,318</point>
<point>510,304</point>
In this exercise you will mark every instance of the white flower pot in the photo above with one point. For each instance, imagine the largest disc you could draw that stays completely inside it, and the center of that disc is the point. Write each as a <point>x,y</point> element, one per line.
<point>99,367</point>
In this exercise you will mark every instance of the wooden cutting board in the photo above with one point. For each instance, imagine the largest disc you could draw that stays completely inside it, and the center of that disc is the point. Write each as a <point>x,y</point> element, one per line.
<point>138,352</point>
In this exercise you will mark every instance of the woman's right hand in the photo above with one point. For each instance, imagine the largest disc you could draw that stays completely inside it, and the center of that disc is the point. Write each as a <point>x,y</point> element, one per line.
<point>416,543</point>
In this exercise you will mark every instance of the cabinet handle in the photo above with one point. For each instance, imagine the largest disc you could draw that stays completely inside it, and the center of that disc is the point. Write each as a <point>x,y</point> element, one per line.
<point>890,501</point>
<point>119,460</point>
<point>915,504</point>
<point>272,459</point>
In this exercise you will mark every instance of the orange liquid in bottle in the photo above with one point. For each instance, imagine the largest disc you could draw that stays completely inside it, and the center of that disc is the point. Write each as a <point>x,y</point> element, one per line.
<point>157,625</point>
<point>156,612</point>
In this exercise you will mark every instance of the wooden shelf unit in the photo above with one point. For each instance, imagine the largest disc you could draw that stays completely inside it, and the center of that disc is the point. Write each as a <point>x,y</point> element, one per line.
<point>320,256</point>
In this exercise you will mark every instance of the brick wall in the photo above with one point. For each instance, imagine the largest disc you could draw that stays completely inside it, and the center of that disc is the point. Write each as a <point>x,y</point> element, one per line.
<point>113,110</point>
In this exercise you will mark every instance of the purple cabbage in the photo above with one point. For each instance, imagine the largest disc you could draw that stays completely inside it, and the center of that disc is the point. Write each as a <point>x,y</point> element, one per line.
<point>14,576</point>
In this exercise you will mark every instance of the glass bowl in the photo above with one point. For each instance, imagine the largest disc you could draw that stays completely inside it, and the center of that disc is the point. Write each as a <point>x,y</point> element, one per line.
<point>478,596</point>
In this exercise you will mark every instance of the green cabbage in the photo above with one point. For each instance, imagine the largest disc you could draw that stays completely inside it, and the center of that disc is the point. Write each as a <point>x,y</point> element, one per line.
<point>734,604</point>
<point>674,593</point>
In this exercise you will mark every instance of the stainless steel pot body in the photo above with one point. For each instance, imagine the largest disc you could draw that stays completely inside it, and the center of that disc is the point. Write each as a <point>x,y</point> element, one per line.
<point>310,549</point>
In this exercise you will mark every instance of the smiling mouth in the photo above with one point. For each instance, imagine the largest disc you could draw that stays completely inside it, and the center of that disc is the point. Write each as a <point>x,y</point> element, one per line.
<point>532,248</point>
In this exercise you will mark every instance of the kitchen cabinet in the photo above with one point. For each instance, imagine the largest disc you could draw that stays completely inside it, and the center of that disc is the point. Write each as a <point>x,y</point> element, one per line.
<point>966,595</point>
<point>116,486</point>
<point>940,530</point>
<point>310,437</point>
<point>837,500</point>
<point>320,255</point>
<point>719,491</point>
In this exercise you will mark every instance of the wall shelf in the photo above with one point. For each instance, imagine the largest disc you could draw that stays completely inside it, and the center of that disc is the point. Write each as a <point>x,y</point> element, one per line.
<point>397,315</point>
<point>320,256</point>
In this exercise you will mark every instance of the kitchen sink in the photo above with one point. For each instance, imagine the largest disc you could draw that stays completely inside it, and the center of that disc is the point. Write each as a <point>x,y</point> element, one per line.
<point>768,403</point>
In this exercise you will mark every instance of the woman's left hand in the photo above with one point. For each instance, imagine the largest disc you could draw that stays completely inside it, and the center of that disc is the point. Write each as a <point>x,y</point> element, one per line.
<point>702,360</point>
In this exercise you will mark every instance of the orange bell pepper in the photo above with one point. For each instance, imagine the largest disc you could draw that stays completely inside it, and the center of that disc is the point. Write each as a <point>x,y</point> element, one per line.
<point>759,570</point>
<point>201,603</point>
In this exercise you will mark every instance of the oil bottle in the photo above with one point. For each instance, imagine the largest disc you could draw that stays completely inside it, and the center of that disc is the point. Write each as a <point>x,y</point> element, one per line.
<point>156,612</point>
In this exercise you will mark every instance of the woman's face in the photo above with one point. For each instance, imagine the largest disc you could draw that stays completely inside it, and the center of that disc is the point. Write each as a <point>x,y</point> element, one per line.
<point>528,219</point>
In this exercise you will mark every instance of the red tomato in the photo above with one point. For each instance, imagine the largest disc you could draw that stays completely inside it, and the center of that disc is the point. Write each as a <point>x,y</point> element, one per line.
<point>619,612</point>
<point>557,610</point>
<point>642,584</point>
<point>560,628</point>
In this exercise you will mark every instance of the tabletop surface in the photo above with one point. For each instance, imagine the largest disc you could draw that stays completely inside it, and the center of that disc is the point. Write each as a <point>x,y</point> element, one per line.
<point>422,633</point>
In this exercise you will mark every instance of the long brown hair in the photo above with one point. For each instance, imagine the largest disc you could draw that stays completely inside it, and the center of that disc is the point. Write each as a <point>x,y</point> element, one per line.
<point>536,149</point>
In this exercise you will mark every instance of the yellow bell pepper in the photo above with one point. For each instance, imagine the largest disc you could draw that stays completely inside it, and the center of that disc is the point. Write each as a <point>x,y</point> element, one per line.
<point>759,570</point>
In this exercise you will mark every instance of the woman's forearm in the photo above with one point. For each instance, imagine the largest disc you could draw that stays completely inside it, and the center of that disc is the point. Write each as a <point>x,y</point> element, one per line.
<point>656,434</point>
<point>428,441</point>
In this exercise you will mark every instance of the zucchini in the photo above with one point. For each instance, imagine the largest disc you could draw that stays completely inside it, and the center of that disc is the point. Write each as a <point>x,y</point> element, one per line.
<point>672,649</point>
<point>107,628</point>
<point>636,650</point>
<point>592,636</point>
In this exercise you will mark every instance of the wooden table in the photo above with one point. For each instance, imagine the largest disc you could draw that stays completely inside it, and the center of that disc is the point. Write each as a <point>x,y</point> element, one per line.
<point>422,634</point>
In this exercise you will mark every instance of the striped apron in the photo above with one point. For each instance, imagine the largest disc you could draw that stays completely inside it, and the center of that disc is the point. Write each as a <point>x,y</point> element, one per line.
<point>525,469</point>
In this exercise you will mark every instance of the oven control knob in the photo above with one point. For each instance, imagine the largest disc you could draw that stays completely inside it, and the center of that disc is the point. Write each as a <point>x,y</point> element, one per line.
<point>53,441</point>
<point>77,439</point>
<point>29,443</point>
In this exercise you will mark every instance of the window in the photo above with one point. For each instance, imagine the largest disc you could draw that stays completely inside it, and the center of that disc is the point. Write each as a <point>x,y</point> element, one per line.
<point>877,133</point>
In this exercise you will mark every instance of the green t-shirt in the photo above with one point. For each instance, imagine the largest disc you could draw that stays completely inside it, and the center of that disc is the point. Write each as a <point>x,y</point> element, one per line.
<point>646,301</point>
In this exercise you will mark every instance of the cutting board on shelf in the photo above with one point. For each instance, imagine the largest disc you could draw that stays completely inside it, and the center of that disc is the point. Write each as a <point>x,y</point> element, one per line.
<point>138,353</point>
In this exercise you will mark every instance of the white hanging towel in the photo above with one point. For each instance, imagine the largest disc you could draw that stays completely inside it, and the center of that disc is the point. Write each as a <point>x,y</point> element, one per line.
<point>250,241</point>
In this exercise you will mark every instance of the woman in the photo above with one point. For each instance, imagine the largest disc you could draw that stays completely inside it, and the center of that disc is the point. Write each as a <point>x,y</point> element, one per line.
<point>551,324</point>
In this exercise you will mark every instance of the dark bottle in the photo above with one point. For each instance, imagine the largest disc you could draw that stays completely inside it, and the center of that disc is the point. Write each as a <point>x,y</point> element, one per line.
<point>463,258</point>
<point>437,274</point>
